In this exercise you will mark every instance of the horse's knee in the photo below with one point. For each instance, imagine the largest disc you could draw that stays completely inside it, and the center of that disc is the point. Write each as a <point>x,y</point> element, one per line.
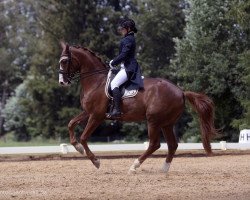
<point>73,123</point>
<point>76,120</point>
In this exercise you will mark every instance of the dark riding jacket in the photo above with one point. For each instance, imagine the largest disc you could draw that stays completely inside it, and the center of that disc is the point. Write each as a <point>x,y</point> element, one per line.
<point>127,56</point>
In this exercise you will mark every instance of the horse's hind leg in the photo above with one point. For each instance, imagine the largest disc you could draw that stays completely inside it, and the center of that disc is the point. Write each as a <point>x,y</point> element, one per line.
<point>154,144</point>
<point>172,146</point>
<point>81,118</point>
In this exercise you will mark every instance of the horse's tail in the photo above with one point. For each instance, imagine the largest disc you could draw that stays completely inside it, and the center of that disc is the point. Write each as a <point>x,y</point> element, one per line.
<point>204,106</point>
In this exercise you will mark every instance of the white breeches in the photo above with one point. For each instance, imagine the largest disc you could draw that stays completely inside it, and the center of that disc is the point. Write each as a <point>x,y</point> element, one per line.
<point>120,78</point>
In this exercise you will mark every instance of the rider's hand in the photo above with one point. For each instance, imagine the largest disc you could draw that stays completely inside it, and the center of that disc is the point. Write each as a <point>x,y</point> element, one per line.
<point>110,65</point>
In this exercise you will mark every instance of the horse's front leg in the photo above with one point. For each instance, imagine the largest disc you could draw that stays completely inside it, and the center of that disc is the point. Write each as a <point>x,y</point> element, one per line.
<point>91,126</point>
<point>81,118</point>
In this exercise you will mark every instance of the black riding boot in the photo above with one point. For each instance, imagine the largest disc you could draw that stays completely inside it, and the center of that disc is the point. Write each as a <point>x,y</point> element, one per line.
<point>116,113</point>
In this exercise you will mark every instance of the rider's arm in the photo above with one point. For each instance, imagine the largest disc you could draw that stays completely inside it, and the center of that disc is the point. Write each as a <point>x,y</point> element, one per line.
<point>126,47</point>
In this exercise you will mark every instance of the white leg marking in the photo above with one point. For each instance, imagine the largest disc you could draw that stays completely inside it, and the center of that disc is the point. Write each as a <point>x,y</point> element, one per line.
<point>165,167</point>
<point>97,163</point>
<point>79,148</point>
<point>132,169</point>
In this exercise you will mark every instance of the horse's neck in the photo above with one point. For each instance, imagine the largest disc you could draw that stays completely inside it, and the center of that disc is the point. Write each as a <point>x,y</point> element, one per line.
<point>91,65</point>
<point>93,83</point>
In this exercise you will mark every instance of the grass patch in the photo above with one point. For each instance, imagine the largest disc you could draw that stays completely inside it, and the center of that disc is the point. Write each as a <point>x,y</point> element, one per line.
<point>30,143</point>
<point>9,141</point>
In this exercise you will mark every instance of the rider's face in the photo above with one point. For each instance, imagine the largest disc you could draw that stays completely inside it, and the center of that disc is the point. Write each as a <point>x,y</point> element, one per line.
<point>122,31</point>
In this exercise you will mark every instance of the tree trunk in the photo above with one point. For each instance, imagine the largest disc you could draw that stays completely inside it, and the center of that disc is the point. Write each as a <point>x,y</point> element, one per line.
<point>2,105</point>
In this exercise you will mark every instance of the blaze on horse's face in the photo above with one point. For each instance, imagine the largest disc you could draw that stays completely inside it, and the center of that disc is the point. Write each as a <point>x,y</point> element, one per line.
<point>65,62</point>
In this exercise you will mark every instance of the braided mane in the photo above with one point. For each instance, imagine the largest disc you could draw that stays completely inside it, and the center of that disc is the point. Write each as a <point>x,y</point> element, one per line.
<point>91,52</point>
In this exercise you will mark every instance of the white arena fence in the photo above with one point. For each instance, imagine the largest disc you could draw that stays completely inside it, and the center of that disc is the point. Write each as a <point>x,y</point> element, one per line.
<point>65,148</point>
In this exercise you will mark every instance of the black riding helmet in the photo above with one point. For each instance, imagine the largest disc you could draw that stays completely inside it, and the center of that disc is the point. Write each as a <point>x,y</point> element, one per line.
<point>127,23</point>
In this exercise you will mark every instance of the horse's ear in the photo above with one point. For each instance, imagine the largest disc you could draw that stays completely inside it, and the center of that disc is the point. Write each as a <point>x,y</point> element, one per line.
<point>67,48</point>
<point>63,45</point>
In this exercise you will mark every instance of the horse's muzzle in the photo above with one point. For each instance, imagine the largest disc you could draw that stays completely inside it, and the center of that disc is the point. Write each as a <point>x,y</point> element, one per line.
<point>62,81</point>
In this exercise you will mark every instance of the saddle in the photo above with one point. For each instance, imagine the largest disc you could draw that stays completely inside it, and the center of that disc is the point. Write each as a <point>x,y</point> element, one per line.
<point>123,88</point>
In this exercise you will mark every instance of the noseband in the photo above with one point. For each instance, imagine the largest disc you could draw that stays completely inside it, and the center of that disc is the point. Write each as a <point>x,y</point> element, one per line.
<point>72,75</point>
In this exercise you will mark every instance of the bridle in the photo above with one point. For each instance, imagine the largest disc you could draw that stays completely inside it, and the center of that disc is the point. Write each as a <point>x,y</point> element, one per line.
<point>77,74</point>
<point>68,74</point>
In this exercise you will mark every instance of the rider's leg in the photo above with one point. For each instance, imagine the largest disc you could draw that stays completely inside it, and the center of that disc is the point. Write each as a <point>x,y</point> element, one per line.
<point>119,79</point>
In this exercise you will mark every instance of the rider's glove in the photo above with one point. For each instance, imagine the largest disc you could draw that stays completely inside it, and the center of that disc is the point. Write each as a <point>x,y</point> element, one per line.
<point>122,66</point>
<point>110,65</point>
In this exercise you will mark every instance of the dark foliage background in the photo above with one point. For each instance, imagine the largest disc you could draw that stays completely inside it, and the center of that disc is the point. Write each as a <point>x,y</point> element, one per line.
<point>200,45</point>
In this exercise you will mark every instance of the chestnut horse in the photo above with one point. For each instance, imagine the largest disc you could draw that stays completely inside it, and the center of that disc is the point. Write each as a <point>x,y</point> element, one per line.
<point>160,103</point>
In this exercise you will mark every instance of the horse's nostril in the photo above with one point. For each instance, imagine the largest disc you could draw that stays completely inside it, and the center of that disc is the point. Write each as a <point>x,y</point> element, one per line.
<point>61,83</point>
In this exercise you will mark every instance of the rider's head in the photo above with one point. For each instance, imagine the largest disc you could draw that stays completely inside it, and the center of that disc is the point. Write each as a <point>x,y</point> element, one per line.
<point>126,25</point>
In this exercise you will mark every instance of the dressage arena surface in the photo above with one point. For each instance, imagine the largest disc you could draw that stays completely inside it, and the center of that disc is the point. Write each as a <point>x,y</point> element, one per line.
<point>191,176</point>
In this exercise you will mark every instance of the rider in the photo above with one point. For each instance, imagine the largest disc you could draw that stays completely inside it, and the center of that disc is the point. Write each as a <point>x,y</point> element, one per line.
<point>130,70</point>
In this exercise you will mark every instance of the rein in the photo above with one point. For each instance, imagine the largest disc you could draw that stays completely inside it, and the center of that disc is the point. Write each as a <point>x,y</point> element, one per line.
<point>88,74</point>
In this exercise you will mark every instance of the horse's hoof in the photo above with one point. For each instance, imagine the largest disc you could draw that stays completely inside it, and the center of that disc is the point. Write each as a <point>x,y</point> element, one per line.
<point>97,163</point>
<point>79,148</point>
<point>131,171</point>
<point>165,167</point>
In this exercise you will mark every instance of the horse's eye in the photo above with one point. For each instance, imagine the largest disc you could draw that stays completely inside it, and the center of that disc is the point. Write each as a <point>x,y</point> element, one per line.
<point>64,61</point>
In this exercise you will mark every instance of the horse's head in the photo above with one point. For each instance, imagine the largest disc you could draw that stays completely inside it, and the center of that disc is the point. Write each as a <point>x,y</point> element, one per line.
<point>81,61</point>
<point>69,65</point>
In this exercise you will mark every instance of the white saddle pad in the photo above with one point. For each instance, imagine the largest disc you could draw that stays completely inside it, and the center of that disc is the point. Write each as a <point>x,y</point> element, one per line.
<point>127,93</point>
